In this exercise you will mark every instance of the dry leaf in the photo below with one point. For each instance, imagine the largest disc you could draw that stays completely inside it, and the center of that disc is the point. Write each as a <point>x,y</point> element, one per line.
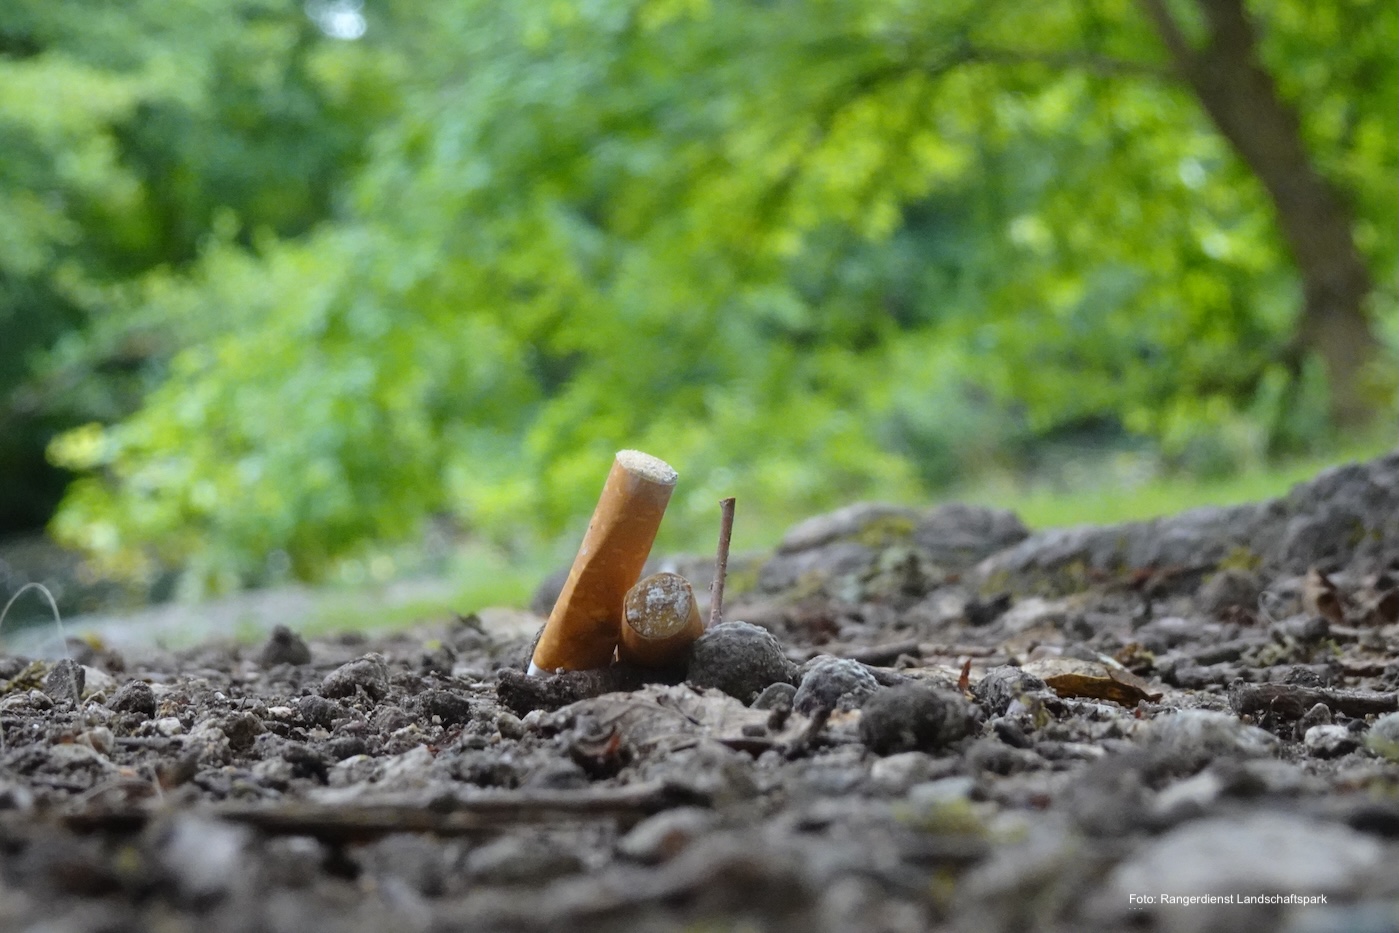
<point>1320,597</point>
<point>1071,677</point>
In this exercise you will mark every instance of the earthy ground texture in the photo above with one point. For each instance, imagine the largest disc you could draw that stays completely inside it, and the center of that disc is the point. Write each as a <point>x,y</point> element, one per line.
<point>925,720</point>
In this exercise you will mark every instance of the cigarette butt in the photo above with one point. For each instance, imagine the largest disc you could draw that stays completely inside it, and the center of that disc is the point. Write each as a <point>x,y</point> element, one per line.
<point>660,620</point>
<point>585,625</point>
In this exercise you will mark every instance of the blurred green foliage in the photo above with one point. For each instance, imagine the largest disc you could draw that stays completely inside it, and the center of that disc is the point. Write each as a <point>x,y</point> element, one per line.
<point>803,250</point>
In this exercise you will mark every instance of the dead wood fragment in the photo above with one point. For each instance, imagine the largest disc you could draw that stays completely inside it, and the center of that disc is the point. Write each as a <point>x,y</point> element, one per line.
<point>1291,701</point>
<point>456,817</point>
<point>721,561</point>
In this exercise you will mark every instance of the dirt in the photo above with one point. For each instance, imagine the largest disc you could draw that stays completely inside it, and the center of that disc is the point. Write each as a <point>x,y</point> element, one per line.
<point>917,719</point>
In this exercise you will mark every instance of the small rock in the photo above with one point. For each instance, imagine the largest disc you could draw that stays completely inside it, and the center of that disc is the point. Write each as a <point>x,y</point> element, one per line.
<point>1263,852</point>
<point>740,659</point>
<point>204,856</point>
<point>834,683</point>
<point>284,647</point>
<point>895,774</point>
<point>778,696</point>
<point>1305,629</point>
<point>1330,741</point>
<point>318,711</point>
<point>1003,685</point>
<point>943,791</point>
<point>912,717</point>
<point>368,673</point>
<point>1228,589</point>
<point>1192,738</point>
<point>168,726</point>
<point>135,696</point>
<point>452,709</point>
<point>510,725</point>
<point>64,682</point>
<point>665,835</point>
<point>241,729</point>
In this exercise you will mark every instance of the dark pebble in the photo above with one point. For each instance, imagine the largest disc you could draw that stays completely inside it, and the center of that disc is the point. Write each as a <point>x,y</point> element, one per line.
<point>318,711</point>
<point>284,647</point>
<point>134,696</point>
<point>242,730</point>
<point>368,673</point>
<point>911,718</point>
<point>452,708</point>
<point>740,659</point>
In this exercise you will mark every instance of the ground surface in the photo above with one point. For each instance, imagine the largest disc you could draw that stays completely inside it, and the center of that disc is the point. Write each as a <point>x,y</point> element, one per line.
<point>1203,706</point>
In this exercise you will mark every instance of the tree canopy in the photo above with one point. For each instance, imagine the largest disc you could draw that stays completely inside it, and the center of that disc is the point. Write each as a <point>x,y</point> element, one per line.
<point>799,249</point>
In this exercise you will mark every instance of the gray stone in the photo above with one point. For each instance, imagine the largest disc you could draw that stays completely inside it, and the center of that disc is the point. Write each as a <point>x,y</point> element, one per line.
<point>833,683</point>
<point>912,717</point>
<point>368,673</point>
<point>135,696</point>
<point>1002,685</point>
<point>1330,741</point>
<point>662,837</point>
<point>64,682</point>
<point>1229,589</point>
<point>1261,853</point>
<point>777,696</point>
<point>1192,738</point>
<point>739,659</point>
<point>284,646</point>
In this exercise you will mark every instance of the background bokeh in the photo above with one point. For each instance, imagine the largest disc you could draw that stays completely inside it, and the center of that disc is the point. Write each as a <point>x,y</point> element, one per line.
<point>308,291</point>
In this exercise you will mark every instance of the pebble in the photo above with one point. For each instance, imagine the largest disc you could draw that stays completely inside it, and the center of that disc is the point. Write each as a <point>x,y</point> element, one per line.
<point>284,646</point>
<point>895,774</point>
<point>740,659</point>
<point>1330,741</point>
<point>1255,853</point>
<point>204,856</point>
<point>452,709</point>
<point>318,711</point>
<point>1192,738</point>
<point>64,682</point>
<point>833,683</point>
<point>662,837</point>
<point>1003,685</point>
<point>778,696</point>
<point>510,725</point>
<point>368,673</point>
<point>135,696</point>
<point>241,729</point>
<point>912,717</point>
<point>168,726</point>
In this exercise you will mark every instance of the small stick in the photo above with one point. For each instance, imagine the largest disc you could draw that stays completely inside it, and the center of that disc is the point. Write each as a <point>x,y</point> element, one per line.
<point>721,561</point>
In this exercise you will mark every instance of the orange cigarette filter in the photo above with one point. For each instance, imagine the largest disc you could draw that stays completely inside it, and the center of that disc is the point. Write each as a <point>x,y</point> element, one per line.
<point>585,625</point>
<point>660,620</point>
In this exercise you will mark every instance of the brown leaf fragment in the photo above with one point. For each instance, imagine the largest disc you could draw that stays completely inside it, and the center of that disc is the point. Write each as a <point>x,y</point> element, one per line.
<point>1071,677</point>
<point>964,681</point>
<point>1321,597</point>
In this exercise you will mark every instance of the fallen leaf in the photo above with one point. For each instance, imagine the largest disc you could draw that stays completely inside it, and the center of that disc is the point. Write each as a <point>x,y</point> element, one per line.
<point>1071,677</point>
<point>1320,597</point>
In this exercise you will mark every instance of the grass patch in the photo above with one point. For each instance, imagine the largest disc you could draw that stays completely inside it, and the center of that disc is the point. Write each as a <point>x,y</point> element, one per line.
<point>1116,497</point>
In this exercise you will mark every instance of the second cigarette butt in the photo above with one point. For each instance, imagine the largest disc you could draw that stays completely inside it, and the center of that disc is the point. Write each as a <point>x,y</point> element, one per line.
<point>660,620</point>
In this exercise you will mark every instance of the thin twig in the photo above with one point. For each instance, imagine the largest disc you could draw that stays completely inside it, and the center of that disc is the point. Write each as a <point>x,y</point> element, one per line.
<point>721,562</point>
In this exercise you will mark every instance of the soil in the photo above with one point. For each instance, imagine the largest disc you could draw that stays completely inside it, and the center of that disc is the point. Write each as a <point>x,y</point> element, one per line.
<point>916,719</point>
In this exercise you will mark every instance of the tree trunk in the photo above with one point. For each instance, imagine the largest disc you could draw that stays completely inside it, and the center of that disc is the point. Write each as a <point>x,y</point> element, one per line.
<point>1242,101</point>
